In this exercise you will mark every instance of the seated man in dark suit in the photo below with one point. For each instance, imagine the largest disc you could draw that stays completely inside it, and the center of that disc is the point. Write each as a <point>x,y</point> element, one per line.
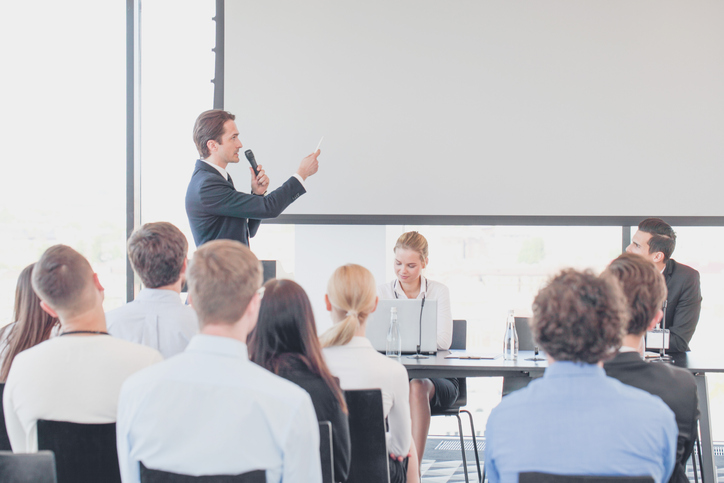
<point>575,420</point>
<point>645,291</point>
<point>214,208</point>
<point>656,240</point>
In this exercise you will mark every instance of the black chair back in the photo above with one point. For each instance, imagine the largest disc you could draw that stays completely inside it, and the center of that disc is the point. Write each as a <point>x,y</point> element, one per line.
<point>525,335</point>
<point>370,461</point>
<point>27,468</point>
<point>459,335</point>
<point>536,477</point>
<point>325,451</point>
<point>158,476</point>
<point>4,440</point>
<point>84,453</point>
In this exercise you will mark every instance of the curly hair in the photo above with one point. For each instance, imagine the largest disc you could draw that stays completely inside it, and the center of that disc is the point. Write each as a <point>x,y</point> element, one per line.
<point>580,317</point>
<point>644,288</point>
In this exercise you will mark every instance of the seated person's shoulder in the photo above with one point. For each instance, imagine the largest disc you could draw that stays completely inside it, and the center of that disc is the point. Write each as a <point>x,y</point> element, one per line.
<point>130,350</point>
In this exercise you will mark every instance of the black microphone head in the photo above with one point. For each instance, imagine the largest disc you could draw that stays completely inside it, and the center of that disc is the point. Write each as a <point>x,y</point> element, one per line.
<point>249,155</point>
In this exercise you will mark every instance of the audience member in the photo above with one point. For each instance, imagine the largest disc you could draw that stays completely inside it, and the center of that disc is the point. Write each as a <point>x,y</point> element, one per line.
<point>157,317</point>
<point>32,324</point>
<point>76,376</point>
<point>656,241</point>
<point>645,291</point>
<point>411,257</point>
<point>576,420</point>
<point>209,410</point>
<point>285,342</point>
<point>351,297</point>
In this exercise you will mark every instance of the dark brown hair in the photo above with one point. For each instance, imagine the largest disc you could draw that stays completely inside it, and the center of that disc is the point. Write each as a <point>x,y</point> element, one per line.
<point>663,237</point>
<point>61,278</point>
<point>286,332</point>
<point>580,317</point>
<point>643,286</point>
<point>32,326</point>
<point>223,276</point>
<point>210,126</point>
<point>157,252</point>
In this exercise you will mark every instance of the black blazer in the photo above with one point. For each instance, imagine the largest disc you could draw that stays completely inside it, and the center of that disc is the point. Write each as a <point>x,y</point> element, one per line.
<point>216,210</point>
<point>684,304</point>
<point>675,386</point>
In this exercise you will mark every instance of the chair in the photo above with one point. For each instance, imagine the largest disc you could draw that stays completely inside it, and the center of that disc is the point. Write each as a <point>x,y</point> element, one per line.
<point>84,453</point>
<point>158,476</point>
<point>370,461</point>
<point>536,477</point>
<point>27,468</point>
<point>326,455</point>
<point>4,440</point>
<point>459,342</point>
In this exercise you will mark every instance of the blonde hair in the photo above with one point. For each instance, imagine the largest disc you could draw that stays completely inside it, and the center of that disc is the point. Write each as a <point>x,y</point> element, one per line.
<point>412,240</point>
<point>351,289</point>
<point>223,277</point>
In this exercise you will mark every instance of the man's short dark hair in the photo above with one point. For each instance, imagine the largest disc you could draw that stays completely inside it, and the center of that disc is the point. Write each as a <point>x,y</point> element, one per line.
<point>61,279</point>
<point>643,286</point>
<point>580,317</point>
<point>663,237</point>
<point>157,252</point>
<point>210,126</point>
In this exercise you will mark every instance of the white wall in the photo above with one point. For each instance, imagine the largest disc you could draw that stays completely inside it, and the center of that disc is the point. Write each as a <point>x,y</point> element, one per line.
<point>320,249</point>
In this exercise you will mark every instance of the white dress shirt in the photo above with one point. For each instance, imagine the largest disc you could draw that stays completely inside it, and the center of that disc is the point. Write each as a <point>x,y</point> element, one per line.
<point>431,290</point>
<point>68,378</point>
<point>225,174</point>
<point>359,366</point>
<point>157,319</point>
<point>209,410</point>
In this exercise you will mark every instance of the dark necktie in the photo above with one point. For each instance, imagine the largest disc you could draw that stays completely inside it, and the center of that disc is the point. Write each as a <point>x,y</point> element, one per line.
<point>229,180</point>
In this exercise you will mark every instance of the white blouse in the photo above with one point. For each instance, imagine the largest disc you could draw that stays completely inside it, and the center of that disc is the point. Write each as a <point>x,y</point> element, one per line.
<point>359,366</point>
<point>433,291</point>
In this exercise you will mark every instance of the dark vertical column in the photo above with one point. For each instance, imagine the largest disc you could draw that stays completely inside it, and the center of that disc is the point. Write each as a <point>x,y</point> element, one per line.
<point>132,35</point>
<point>218,79</point>
<point>625,237</point>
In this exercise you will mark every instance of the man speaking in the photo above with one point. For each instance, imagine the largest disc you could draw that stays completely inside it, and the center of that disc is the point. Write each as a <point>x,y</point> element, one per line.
<point>214,207</point>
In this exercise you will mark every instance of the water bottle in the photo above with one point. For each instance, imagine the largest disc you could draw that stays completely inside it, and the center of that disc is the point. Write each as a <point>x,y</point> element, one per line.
<point>510,343</point>
<point>394,342</point>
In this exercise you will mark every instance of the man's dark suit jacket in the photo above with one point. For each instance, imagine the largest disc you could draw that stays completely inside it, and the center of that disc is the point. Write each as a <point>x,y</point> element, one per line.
<point>216,210</point>
<point>675,386</point>
<point>684,304</point>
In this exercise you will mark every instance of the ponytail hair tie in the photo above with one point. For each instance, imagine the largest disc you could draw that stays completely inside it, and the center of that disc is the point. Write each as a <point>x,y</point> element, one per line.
<point>353,313</point>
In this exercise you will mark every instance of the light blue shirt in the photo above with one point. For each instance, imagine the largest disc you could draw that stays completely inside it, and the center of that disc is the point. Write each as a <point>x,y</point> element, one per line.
<point>210,410</point>
<point>157,318</point>
<point>575,420</point>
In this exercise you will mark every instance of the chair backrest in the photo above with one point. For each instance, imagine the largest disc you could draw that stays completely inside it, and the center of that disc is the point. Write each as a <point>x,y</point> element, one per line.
<point>158,476</point>
<point>536,477</point>
<point>84,453</point>
<point>325,451</point>
<point>27,468</point>
<point>370,461</point>
<point>460,335</point>
<point>4,440</point>
<point>525,335</point>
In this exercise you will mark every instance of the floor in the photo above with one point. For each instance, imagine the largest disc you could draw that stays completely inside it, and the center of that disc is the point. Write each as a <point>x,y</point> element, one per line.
<point>443,462</point>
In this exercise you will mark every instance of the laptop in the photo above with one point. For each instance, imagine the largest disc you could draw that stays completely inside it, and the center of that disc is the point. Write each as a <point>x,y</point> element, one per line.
<point>408,317</point>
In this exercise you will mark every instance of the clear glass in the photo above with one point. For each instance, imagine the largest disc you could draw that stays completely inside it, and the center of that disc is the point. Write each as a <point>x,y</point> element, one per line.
<point>64,113</point>
<point>394,340</point>
<point>510,341</point>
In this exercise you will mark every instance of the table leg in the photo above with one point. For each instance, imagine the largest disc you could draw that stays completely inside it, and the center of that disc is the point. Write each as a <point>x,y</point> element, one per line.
<point>707,443</point>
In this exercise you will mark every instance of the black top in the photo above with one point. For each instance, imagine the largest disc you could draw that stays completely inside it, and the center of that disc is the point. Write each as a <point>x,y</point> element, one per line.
<point>217,211</point>
<point>675,386</point>
<point>327,408</point>
<point>683,304</point>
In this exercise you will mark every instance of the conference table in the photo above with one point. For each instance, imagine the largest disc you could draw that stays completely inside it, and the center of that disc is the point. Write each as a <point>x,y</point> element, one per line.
<point>441,365</point>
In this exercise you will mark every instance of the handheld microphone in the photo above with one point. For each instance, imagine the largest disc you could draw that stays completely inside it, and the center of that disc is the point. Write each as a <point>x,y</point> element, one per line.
<point>252,161</point>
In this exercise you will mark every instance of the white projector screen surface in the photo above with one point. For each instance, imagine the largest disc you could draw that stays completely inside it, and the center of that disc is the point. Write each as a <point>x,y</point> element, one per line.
<point>461,107</point>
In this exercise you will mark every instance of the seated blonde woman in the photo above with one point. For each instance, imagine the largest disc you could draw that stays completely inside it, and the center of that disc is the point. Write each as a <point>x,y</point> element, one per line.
<point>351,297</point>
